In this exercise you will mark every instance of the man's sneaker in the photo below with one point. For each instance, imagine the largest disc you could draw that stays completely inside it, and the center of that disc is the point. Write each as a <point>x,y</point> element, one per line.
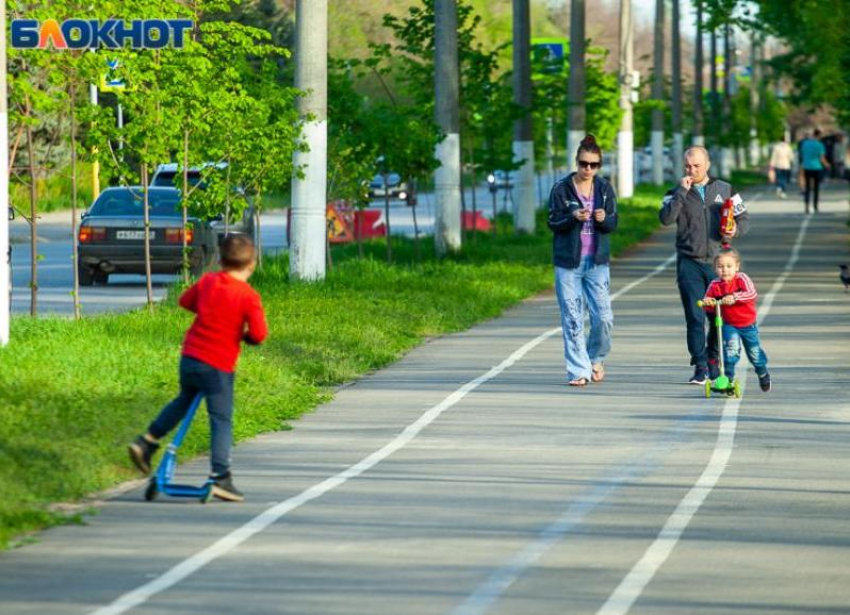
<point>700,375</point>
<point>764,382</point>
<point>224,489</point>
<point>713,370</point>
<point>141,452</point>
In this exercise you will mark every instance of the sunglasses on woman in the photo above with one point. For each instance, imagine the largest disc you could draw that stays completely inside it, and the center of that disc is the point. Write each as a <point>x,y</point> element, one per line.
<point>586,164</point>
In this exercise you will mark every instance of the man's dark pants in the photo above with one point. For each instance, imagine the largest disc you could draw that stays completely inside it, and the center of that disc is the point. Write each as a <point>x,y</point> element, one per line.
<point>693,277</point>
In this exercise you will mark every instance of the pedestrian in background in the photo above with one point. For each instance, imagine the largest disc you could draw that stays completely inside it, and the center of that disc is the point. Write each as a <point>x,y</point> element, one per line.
<point>781,161</point>
<point>695,205</point>
<point>582,215</point>
<point>812,164</point>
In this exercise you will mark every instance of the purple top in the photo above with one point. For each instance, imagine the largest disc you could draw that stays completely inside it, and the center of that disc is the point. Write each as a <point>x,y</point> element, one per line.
<point>588,232</point>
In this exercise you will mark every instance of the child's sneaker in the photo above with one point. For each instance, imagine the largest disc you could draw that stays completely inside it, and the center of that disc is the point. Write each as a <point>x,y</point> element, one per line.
<point>141,452</point>
<point>713,369</point>
<point>224,489</point>
<point>764,382</point>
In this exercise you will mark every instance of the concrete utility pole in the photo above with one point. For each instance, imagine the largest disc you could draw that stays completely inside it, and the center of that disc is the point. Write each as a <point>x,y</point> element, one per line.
<point>577,84</point>
<point>657,136</point>
<point>5,282</point>
<point>699,121</point>
<point>626,136</point>
<point>309,195</point>
<point>525,201</point>
<point>678,138</point>
<point>447,232</point>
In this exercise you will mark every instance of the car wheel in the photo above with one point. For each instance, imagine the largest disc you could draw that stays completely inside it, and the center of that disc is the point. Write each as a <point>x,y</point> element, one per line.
<point>85,275</point>
<point>101,278</point>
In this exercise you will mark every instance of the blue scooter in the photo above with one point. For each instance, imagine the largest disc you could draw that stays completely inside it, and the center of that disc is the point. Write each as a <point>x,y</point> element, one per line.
<point>161,481</point>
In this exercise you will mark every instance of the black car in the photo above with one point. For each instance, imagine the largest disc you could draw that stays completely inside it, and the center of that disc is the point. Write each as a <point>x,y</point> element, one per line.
<point>171,176</point>
<point>112,238</point>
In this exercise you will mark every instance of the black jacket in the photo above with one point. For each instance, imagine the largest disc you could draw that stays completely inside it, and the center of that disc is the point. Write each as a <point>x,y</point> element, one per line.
<point>698,223</point>
<point>566,242</point>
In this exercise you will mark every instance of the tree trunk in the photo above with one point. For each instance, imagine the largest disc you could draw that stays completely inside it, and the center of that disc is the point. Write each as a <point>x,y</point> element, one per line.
<point>576,86</point>
<point>699,122</point>
<point>33,212</point>
<point>387,217</point>
<point>146,209</point>
<point>625,136</point>
<point>714,97</point>
<point>447,228</point>
<point>523,143</point>
<point>74,259</point>
<point>184,201</point>
<point>678,138</point>
<point>658,96</point>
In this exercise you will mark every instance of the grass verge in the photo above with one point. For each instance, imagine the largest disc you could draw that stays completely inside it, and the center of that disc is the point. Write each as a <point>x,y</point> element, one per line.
<point>74,393</point>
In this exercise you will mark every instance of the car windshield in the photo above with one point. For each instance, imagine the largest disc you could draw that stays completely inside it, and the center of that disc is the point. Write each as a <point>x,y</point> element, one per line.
<point>130,203</point>
<point>165,179</point>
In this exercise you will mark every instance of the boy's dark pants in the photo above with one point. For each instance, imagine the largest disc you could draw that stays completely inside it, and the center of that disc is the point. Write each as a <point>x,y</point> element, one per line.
<point>693,278</point>
<point>217,388</point>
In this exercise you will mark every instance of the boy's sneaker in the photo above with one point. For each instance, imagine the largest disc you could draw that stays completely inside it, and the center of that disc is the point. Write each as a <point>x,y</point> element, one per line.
<point>224,489</point>
<point>700,375</point>
<point>764,382</point>
<point>141,452</point>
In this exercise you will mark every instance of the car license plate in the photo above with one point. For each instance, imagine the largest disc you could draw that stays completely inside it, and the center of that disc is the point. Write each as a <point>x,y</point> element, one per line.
<point>133,234</point>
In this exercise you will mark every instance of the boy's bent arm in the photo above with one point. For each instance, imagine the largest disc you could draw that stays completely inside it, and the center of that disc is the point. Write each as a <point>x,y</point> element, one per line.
<point>255,318</point>
<point>189,299</point>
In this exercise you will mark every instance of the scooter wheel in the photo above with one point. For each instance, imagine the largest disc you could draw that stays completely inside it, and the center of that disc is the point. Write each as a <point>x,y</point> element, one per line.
<point>737,386</point>
<point>708,388</point>
<point>151,492</point>
<point>207,497</point>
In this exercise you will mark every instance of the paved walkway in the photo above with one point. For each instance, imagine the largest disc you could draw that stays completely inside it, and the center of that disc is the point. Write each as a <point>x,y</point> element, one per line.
<point>468,478</point>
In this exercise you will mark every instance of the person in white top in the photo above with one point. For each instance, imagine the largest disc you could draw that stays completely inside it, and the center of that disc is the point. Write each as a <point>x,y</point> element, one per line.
<point>781,161</point>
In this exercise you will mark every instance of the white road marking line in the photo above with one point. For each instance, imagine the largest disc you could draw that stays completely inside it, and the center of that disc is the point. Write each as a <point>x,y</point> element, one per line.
<point>632,586</point>
<point>227,543</point>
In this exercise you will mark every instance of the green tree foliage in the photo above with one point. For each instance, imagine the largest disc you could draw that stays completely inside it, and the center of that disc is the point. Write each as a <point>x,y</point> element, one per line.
<point>550,100</point>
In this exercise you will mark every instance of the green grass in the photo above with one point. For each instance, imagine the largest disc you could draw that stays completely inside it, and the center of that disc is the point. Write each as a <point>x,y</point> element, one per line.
<point>74,393</point>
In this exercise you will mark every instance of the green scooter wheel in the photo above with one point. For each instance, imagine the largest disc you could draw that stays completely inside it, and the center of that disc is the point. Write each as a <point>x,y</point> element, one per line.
<point>708,388</point>
<point>737,386</point>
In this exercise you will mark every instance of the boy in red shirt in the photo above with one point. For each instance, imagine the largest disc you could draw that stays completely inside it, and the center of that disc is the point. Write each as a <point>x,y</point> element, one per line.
<point>228,311</point>
<point>735,291</point>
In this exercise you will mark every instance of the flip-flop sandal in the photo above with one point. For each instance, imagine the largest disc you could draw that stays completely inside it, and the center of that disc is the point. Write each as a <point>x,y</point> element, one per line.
<point>598,374</point>
<point>578,382</point>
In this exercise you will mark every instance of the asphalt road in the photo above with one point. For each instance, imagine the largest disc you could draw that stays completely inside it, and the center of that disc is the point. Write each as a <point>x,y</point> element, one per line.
<point>468,478</point>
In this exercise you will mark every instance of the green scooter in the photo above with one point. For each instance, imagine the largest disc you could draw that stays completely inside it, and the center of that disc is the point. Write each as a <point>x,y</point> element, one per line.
<point>721,384</point>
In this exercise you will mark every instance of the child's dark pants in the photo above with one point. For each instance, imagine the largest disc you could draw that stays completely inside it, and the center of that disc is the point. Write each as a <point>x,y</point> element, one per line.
<point>217,388</point>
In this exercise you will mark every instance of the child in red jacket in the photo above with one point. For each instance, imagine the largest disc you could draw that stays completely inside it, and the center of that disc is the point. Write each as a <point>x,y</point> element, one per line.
<point>228,311</point>
<point>735,291</point>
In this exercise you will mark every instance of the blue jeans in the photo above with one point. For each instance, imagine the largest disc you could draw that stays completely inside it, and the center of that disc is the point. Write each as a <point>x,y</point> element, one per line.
<point>586,285</point>
<point>749,336</point>
<point>217,388</point>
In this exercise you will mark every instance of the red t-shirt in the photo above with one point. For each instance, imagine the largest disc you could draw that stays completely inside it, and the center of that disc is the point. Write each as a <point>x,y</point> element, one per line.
<point>742,313</point>
<point>226,310</point>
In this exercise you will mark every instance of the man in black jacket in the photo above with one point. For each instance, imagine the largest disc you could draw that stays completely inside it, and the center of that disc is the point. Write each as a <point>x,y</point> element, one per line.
<point>694,205</point>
